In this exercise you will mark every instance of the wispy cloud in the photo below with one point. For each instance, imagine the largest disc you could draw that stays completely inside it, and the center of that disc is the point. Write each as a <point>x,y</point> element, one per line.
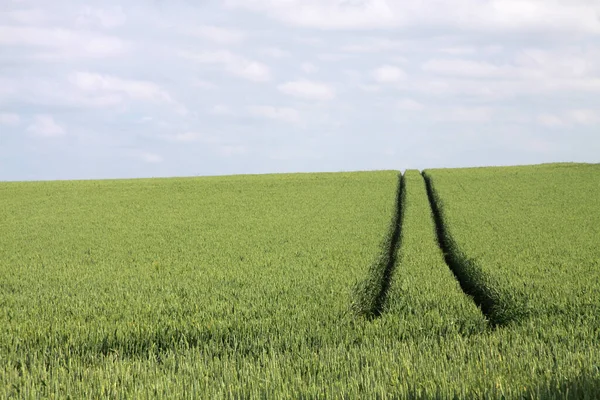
<point>584,116</point>
<point>203,84</point>
<point>230,151</point>
<point>224,146</point>
<point>389,74</point>
<point>107,18</point>
<point>9,119</point>
<point>27,16</point>
<point>374,44</point>
<point>410,105</point>
<point>550,120</point>
<point>469,68</point>
<point>151,158</point>
<point>221,109</point>
<point>326,14</point>
<point>285,114</point>
<point>46,126</point>
<point>185,137</point>
<point>482,16</point>
<point>135,89</point>
<point>459,50</point>
<point>217,34</point>
<point>232,63</point>
<point>308,90</point>
<point>60,43</point>
<point>274,52</point>
<point>569,118</point>
<point>108,90</point>
<point>308,67</point>
<point>465,114</point>
<point>211,85</point>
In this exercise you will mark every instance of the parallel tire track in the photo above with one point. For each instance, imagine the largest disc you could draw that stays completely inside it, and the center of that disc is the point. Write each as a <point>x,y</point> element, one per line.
<point>499,307</point>
<point>370,295</point>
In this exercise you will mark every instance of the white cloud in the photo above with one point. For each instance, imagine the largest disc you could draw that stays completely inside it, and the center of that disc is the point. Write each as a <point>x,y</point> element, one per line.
<point>29,16</point>
<point>285,114</point>
<point>103,85</point>
<point>369,88</point>
<point>375,45</point>
<point>393,48</point>
<point>308,68</point>
<point>274,52</point>
<point>84,17</point>
<point>310,41</point>
<point>185,137</point>
<point>151,158</point>
<point>324,14</point>
<point>571,117</point>
<point>465,114</point>
<point>221,35</point>
<point>252,70</point>
<point>492,49</point>
<point>572,62</point>
<point>352,74</point>
<point>9,119</point>
<point>531,72</point>
<point>234,64</point>
<point>44,125</point>
<point>550,121</point>
<point>409,105</point>
<point>53,93</point>
<point>62,43</point>
<point>221,109</point>
<point>192,136</point>
<point>478,15</point>
<point>459,50</point>
<point>500,89</point>
<point>101,17</point>
<point>455,75</point>
<point>232,150</point>
<point>308,90</point>
<point>203,84</point>
<point>389,74</point>
<point>223,145</point>
<point>468,68</point>
<point>528,64</point>
<point>332,57</point>
<point>578,16</point>
<point>584,116</point>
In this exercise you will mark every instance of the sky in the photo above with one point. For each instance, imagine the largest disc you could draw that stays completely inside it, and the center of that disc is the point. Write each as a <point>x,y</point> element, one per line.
<point>157,88</point>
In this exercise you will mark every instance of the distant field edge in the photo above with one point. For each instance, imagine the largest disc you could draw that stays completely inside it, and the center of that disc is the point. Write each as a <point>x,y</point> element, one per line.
<point>499,308</point>
<point>370,294</point>
<point>560,164</point>
<point>196,176</point>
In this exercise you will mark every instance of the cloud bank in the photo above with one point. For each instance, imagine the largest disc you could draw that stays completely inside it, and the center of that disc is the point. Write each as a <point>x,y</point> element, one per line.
<point>255,86</point>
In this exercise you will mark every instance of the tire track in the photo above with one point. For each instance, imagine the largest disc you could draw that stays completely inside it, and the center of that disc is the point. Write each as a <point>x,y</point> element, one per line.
<point>370,295</point>
<point>498,306</point>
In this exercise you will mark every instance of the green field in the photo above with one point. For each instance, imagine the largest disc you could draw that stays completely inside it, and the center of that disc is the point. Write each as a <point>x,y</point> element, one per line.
<point>328,285</point>
<point>533,232</point>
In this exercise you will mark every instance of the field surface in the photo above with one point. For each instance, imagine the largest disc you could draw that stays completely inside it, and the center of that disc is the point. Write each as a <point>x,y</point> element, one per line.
<point>532,232</point>
<point>470,283</point>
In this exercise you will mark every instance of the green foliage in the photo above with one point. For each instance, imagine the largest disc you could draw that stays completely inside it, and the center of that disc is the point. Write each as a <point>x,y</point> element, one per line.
<point>241,268</point>
<point>531,233</point>
<point>423,286</point>
<point>497,304</point>
<point>243,286</point>
<point>370,295</point>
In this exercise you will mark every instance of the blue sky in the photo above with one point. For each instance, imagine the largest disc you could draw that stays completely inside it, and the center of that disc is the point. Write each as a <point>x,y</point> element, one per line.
<point>152,88</point>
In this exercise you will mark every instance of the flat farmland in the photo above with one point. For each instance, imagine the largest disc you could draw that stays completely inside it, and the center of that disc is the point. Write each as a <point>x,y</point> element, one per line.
<point>528,237</point>
<point>329,285</point>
